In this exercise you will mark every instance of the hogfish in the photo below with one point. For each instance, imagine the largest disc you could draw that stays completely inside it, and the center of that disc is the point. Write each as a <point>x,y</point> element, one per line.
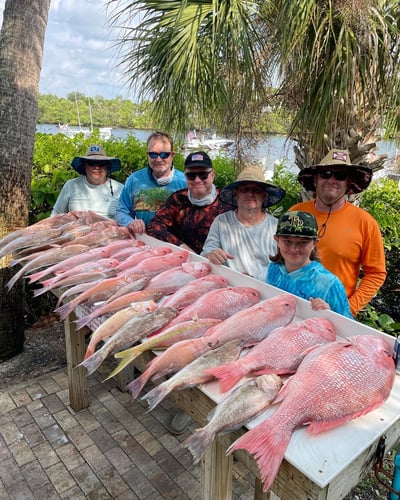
<point>280,352</point>
<point>335,383</point>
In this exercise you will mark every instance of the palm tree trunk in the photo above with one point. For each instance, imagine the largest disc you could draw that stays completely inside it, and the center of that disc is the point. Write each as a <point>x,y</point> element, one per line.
<point>21,54</point>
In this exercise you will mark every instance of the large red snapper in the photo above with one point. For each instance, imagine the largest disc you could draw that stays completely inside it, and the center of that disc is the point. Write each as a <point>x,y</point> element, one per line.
<point>189,293</point>
<point>254,323</point>
<point>280,352</point>
<point>155,265</point>
<point>335,383</point>
<point>138,257</point>
<point>219,304</point>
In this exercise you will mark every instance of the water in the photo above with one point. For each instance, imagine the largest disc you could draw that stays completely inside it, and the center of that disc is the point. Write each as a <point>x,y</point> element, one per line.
<point>271,149</point>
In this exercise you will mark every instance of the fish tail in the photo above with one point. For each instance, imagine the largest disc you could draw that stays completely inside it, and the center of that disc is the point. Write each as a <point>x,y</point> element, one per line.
<point>228,375</point>
<point>127,358</point>
<point>89,351</point>
<point>198,442</point>
<point>81,322</point>
<point>135,387</point>
<point>64,310</point>
<point>40,291</point>
<point>268,445</point>
<point>36,276</point>
<point>94,361</point>
<point>13,280</point>
<point>156,395</point>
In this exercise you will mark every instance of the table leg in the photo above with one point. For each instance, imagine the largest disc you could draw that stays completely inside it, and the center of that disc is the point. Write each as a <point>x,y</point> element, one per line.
<point>216,471</point>
<point>77,377</point>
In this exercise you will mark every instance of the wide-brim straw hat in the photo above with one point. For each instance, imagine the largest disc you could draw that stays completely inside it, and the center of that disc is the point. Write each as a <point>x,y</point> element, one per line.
<point>95,152</point>
<point>338,159</point>
<point>252,174</point>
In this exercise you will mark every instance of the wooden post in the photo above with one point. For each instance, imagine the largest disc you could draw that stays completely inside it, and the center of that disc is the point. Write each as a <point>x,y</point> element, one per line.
<point>77,377</point>
<point>216,471</point>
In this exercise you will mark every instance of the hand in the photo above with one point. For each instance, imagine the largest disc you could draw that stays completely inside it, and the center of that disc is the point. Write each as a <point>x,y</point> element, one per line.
<point>137,226</point>
<point>318,304</point>
<point>218,256</point>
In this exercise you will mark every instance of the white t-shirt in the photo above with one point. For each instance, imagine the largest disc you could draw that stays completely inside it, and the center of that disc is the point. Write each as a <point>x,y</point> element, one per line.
<point>78,194</point>
<point>251,246</point>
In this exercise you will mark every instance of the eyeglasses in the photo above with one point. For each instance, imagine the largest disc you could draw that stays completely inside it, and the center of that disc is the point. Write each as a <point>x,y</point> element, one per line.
<point>97,163</point>
<point>201,175</point>
<point>251,189</point>
<point>327,174</point>
<point>163,155</point>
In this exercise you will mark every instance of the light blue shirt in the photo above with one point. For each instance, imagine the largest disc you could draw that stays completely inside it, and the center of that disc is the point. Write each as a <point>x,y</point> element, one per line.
<point>311,281</point>
<point>78,194</point>
<point>142,196</point>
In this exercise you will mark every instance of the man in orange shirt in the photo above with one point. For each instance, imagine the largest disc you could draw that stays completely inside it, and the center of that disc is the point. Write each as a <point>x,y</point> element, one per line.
<point>350,240</point>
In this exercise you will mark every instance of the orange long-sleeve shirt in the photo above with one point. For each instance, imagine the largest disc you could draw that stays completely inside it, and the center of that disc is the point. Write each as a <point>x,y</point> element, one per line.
<point>352,241</point>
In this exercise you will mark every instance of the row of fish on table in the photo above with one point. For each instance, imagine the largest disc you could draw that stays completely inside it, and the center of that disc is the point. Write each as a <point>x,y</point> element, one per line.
<point>138,298</point>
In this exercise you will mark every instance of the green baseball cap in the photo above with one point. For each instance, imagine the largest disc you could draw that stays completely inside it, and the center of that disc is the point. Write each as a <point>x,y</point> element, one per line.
<point>297,223</point>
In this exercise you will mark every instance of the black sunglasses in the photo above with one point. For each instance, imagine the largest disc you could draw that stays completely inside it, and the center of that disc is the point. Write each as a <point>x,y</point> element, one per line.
<point>97,163</point>
<point>327,174</point>
<point>202,175</point>
<point>163,155</point>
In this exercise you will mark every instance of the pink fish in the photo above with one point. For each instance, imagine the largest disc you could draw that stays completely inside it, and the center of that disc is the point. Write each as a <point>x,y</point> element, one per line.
<point>173,279</point>
<point>138,257</point>
<point>112,324</point>
<point>268,356</point>
<point>91,255</point>
<point>123,253</point>
<point>120,303</point>
<point>103,237</point>
<point>86,267</point>
<point>155,265</point>
<point>75,280</point>
<point>335,383</point>
<point>189,293</point>
<point>29,240</point>
<point>219,304</point>
<point>173,359</point>
<point>47,259</point>
<point>100,292</point>
<point>254,323</point>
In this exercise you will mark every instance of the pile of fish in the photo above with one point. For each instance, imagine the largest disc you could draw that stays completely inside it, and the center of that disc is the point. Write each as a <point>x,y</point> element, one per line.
<point>137,298</point>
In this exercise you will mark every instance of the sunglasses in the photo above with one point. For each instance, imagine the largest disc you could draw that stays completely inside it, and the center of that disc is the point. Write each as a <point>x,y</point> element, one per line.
<point>94,163</point>
<point>327,174</point>
<point>163,155</point>
<point>201,175</point>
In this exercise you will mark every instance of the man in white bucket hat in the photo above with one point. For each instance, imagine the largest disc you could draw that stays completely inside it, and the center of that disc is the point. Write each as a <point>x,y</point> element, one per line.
<point>243,238</point>
<point>94,189</point>
<point>349,237</point>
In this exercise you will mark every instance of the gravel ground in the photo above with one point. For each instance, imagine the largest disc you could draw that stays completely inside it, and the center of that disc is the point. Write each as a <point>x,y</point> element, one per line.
<point>44,351</point>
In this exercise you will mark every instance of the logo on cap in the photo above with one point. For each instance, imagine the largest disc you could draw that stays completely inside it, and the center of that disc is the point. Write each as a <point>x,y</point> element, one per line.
<point>95,149</point>
<point>339,155</point>
<point>197,157</point>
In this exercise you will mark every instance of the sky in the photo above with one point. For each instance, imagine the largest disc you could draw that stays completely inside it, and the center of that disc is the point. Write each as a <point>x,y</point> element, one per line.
<point>78,51</point>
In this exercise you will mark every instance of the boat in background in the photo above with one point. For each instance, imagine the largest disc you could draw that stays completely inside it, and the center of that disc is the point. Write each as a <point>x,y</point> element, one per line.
<point>193,141</point>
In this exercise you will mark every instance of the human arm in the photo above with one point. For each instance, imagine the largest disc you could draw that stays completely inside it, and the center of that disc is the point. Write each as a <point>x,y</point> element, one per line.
<point>61,205</point>
<point>373,268</point>
<point>212,246</point>
<point>125,211</point>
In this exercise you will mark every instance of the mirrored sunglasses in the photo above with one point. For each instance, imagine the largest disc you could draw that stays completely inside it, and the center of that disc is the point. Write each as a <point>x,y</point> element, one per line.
<point>327,174</point>
<point>163,155</point>
<point>201,175</point>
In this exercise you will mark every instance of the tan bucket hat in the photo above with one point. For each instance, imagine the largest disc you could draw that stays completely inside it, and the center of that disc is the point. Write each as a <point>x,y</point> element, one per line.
<point>338,159</point>
<point>252,173</point>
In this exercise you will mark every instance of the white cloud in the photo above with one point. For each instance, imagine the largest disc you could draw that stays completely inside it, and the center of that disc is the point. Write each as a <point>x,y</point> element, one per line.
<point>78,51</point>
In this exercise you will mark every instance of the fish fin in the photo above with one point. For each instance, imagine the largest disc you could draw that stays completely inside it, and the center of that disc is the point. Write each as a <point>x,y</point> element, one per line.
<point>156,395</point>
<point>228,375</point>
<point>40,291</point>
<point>127,358</point>
<point>93,361</point>
<point>198,442</point>
<point>64,310</point>
<point>268,445</point>
<point>135,387</point>
<point>81,322</point>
